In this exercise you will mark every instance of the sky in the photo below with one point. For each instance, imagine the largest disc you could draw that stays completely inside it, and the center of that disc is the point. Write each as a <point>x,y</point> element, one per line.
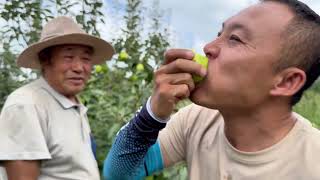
<point>197,22</point>
<point>192,23</point>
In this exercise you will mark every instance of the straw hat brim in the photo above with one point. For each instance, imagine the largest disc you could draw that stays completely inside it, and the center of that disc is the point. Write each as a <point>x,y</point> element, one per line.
<point>102,49</point>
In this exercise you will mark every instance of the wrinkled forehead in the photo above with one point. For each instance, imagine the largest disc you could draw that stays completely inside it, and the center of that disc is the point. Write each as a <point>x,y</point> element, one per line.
<point>73,48</point>
<point>264,17</point>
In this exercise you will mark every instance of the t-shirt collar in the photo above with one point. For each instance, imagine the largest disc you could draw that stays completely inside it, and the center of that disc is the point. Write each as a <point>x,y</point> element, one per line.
<point>268,154</point>
<point>63,101</point>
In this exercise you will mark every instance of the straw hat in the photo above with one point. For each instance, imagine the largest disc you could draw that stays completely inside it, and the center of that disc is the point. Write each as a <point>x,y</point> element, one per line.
<point>63,30</point>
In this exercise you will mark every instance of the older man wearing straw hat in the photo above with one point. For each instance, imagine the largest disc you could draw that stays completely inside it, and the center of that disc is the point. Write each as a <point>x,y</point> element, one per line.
<point>44,128</point>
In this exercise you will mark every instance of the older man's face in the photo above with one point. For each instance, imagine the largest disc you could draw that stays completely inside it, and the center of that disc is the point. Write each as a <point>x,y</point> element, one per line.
<point>240,72</point>
<point>69,69</point>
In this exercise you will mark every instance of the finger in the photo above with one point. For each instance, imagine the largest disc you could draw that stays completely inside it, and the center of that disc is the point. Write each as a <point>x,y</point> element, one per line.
<point>180,92</point>
<point>176,79</point>
<point>165,97</point>
<point>173,54</point>
<point>182,66</point>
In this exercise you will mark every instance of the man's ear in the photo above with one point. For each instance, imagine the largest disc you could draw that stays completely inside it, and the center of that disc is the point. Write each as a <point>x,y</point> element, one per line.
<point>288,82</point>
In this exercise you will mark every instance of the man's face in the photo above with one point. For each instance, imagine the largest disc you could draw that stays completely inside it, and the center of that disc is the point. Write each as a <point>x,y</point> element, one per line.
<point>241,58</point>
<point>69,68</point>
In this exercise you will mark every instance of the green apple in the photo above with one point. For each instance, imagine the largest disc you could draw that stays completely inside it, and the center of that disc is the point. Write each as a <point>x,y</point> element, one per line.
<point>134,78</point>
<point>140,67</point>
<point>98,69</point>
<point>123,55</point>
<point>203,61</point>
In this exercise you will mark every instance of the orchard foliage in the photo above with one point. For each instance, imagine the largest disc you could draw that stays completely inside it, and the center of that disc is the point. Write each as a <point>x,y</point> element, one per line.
<point>116,89</point>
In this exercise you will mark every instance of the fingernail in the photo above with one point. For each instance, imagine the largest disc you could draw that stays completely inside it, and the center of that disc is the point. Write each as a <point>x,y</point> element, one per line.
<point>191,53</point>
<point>203,72</point>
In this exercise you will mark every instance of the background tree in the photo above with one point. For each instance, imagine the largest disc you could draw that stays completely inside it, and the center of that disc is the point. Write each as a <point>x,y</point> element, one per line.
<point>23,24</point>
<point>118,88</point>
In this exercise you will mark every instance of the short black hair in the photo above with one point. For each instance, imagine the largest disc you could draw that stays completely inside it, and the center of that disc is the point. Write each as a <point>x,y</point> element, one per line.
<point>45,57</point>
<point>301,47</point>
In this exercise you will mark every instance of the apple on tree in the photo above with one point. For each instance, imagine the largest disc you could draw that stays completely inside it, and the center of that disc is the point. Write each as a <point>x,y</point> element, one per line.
<point>123,55</point>
<point>98,68</point>
<point>140,67</point>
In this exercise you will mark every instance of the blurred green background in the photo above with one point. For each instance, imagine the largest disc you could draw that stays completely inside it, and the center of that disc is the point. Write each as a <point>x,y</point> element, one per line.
<point>116,89</point>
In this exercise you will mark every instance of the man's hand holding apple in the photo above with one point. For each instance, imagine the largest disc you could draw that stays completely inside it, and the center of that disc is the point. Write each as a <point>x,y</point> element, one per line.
<point>175,80</point>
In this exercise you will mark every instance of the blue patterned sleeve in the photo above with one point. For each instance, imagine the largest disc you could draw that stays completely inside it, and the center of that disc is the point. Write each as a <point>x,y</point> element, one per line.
<point>135,152</point>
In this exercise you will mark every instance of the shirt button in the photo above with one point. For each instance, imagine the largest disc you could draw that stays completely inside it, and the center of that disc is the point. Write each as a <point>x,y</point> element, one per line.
<point>225,177</point>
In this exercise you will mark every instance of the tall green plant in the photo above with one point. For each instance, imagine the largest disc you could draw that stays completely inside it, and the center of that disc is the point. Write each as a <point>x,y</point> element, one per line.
<point>117,89</point>
<point>23,24</point>
<point>9,74</point>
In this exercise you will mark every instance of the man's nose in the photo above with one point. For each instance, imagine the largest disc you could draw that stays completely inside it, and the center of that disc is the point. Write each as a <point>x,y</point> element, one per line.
<point>212,49</point>
<point>77,64</point>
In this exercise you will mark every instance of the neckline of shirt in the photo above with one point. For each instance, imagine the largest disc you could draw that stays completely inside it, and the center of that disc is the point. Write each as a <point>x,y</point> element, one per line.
<point>63,101</point>
<point>266,155</point>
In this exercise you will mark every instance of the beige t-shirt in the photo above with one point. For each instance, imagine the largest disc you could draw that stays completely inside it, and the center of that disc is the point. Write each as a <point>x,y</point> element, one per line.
<point>38,123</point>
<point>195,135</point>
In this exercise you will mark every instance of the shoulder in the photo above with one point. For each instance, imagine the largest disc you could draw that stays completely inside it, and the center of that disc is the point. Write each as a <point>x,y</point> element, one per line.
<point>195,112</point>
<point>29,94</point>
<point>313,137</point>
<point>310,135</point>
<point>195,119</point>
<point>307,146</point>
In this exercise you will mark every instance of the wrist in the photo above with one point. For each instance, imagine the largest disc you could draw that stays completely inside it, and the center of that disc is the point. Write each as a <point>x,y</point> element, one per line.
<point>155,117</point>
<point>146,124</point>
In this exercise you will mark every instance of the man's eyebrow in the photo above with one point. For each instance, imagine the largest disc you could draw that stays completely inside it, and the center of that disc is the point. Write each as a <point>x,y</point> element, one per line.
<point>68,48</point>
<point>235,26</point>
<point>89,51</point>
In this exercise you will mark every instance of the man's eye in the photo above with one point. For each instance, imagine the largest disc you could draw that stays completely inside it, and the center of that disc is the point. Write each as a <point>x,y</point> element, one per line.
<point>235,38</point>
<point>68,57</point>
<point>219,34</point>
<point>86,59</point>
